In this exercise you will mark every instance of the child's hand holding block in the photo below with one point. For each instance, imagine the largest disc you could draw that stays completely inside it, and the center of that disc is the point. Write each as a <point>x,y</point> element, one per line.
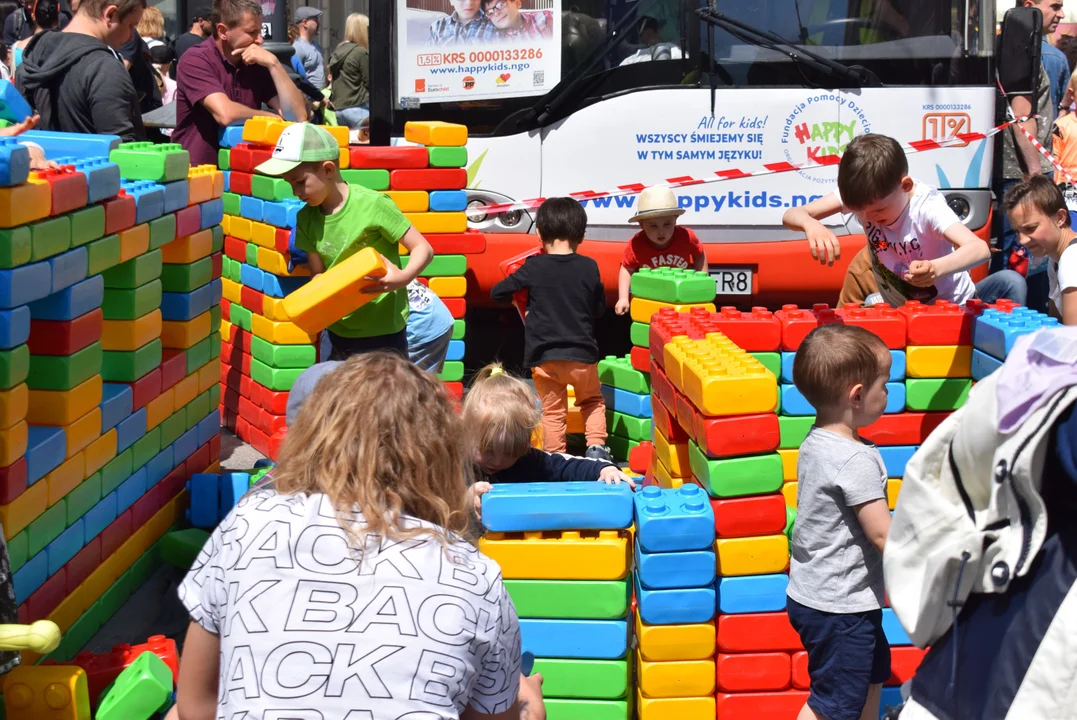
<point>335,293</point>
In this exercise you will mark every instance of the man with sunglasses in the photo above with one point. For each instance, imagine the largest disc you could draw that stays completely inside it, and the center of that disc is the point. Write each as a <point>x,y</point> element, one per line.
<point>516,26</point>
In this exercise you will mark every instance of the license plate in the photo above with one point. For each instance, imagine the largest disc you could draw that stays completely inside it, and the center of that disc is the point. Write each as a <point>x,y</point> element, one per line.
<point>732,281</point>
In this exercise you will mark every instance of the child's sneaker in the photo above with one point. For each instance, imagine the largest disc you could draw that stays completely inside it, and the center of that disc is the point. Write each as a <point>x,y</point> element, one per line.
<point>598,452</point>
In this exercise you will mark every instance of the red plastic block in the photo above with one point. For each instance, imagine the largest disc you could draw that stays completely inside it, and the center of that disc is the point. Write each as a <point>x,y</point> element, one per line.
<point>51,337</point>
<point>662,387</point>
<point>145,389</point>
<point>233,379</point>
<point>148,505</point>
<point>231,355</point>
<point>198,462</point>
<point>508,267</point>
<point>666,422</point>
<point>749,516</point>
<point>752,706</point>
<point>757,632</point>
<point>881,320</point>
<point>800,677</point>
<point>255,391</point>
<point>943,323</point>
<point>235,249</point>
<point>686,413</point>
<point>976,307</point>
<point>457,306</point>
<point>215,447</point>
<point>226,310</point>
<point>753,672</point>
<point>249,411</point>
<point>904,661</point>
<point>115,535</point>
<point>270,424</point>
<point>641,359</point>
<point>755,331</point>
<point>796,324</point>
<point>69,188</point>
<point>241,339</point>
<point>173,368</point>
<point>83,564</point>
<point>252,299</point>
<point>174,482</point>
<point>12,481</point>
<point>431,179</point>
<point>119,213</point>
<point>454,389</point>
<point>260,441</point>
<point>736,435</point>
<point>388,158</point>
<point>45,599</point>
<point>640,457</point>
<point>230,399</point>
<point>245,157</point>
<point>275,444</point>
<point>907,428</point>
<point>228,420</point>
<point>240,182</point>
<point>667,324</point>
<point>217,265</point>
<point>271,401</point>
<point>188,220</point>
<point>102,669</point>
<point>467,243</point>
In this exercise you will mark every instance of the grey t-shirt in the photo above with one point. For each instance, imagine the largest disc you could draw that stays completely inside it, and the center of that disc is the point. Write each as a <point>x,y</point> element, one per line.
<point>833,566</point>
<point>1012,161</point>
<point>313,61</point>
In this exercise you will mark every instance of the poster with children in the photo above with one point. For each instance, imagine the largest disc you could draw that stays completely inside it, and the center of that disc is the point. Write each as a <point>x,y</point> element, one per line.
<point>460,50</point>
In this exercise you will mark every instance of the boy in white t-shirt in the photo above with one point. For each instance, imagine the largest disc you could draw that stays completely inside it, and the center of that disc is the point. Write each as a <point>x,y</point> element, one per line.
<point>919,249</point>
<point>1038,213</point>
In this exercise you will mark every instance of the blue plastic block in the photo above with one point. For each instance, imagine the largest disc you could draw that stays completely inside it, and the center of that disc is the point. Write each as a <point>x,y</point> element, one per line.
<point>983,364</point>
<point>117,402</point>
<point>233,486</point>
<point>895,634</point>
<point>216,287</point>
<point>995,331</point>
<point>227,180</point>
<point>281,214</point>
<point>30,577</point>
<point>456,350</point>
<point>208,426</point>
<point>72,302</point>
<point>895,458</point>
<point>251,276</point>
<point>672,570</point>
<point>177,195</point>
<point>186,306</point>
<point>891,697</point>
<point>78,145</point>
<point>448,200</point>
<point>676,607</point>
<point>212,213</point>
<point>130,430</point>
<point>14,160</point>
<point>45,450</point>
<point>69,268</point>
<point>159,466</point>
<point>579,639</point>
<point>230,136</point>
<point>674,520</point>
<point>627,402</point>
<point>24,285</point>
<point>279,287</point>
<point>100,516</point>
<point>897,366</point>
<point>250,208</point>
<point>578,505</point>
<point>14,327</point>
<point>204,493</point>
<point>102,176</point>
<point>13,106</point>
<point>186,445</point>
<point>131,489</point>
<point>149,199</point>
<point>752,594</point>
<point>65,547</point>
<point>795,404</point>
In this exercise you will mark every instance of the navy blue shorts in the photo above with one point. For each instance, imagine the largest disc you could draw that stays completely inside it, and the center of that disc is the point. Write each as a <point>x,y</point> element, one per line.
<point>846,654</point>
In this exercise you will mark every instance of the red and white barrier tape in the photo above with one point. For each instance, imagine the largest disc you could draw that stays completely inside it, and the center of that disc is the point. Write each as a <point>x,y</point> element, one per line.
<point>918,146</point>
<point>1047,154</point>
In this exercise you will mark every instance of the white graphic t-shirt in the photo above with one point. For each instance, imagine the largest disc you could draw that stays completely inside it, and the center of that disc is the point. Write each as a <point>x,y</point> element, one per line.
<point>916,235</point>
<point>1062,275</point>
<point>313,629</point>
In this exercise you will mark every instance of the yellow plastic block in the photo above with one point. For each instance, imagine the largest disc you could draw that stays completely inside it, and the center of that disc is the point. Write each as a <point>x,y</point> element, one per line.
<point>938,361</point>
<point>226,224</point>
<point>82,432</point>
<point>685,708</point>
<point>47,692</point>
<point>185,390</point>
<point>185,250</point>
<point>273,262</point>
<point>24,509</point>
<point>13,442</point>
<point>281,333</point>
<point>676,678</point>
<point>789,464</point>
<point>752,555</point>
<point>344,160</point>
<point>226,331</point>
<point>661,643</point>
<point>134,242</point>
<point>664,477</point>
<point>159,409</point>
<point>574,419</point>
<point>63,407</point>
<point>789,491</point>
<point>449,287</point>
<point>335,293</point>
<point>273,309</point>
<point>231,290</point>
<point>673,455</point>
<point>339,133</point>
<point>209,375</point>
<point>13,404</point>
<point>438,222</point>
<point>893,489</point>
<point>127,335</point>
<point>568,555</point>
<point>641,309</point>
<point>23,204</point>
<point>263,235</point>
<point>240,228</point>
<point>183,334</point>
<point>410,201</point>
<point>435,133</point>
<point>721,379</point>
<point>214,468</point>
<point>100,452</point>
<point>65,478</point>
<point>263,130</point>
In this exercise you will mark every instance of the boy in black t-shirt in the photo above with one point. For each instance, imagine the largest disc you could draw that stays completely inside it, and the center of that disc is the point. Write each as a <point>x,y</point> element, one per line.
<point>565,297</point>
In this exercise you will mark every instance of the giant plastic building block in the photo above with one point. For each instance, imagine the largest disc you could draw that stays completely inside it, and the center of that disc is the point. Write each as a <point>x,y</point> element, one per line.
<point>78,145</point>
<point>569,599</point>
<point>142,689</point>
<point>748,705</point>
<point>673,285</point>
<point>14,162</point>
<point>429,179</point>
<point>335,293</point>
<point>675,606</point>
<point>149,199</point>
<point>753,672</point>
<point>567,555</point>
<point>579,639</point>
<point>58,692</point>
<point>995,331</point>
<point>934,394</point>
<point>68,187</point>
<point>796,324</point>
<point>618,372</point>
<point>752,593</point>
<point>23,204</point>
<point>674,520</point>
<point>659,643</point>
<point>676,678</point>
<point>938,361</point>
<point>674,570</point>
<point>642,310</point>
<point>752,556</point>
<point>146,161</point>
<point>679,708</point>
<point>983,364</point>
<point>720,378</point>
<point>588,679</point>
<point>883,321</point>
<point>749,516</point>
<point>389,158</point>
<point>435,133</point>
<point>13,106</point>
<point>102,176</point>
<point>579,505</point>
<point>736,435</point>
<point>943,323</point>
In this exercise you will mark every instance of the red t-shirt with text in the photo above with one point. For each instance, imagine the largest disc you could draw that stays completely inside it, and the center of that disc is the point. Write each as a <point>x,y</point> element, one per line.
<point>681,252</point>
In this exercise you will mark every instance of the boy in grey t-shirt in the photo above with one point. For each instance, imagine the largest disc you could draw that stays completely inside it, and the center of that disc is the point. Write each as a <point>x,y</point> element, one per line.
<point>835,589</point>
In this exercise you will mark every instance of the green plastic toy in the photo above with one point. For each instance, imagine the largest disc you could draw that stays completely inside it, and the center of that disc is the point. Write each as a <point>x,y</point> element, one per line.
<point>793,430</point>
<point>63,372</point>
<point>736,476</point>
<point>370,179</point>
<point>103,254</point>
<point>185,278</point>
<point>180,548</point>
<point>143,689</point>
<point>50,237</point>
<point>131,303</point>
<point>130,365</point>
<point>87,225</point>
<point>14,366</point>
<point>283,356</point>
<point>640,334</point>
<point>628,426</point>
<point>936,394</point>
<point>618,372</point>
<point>569,599</point>
<point>673,285</point>
<point>163,163</point>
<point>584,679</point>
<point>135,272</point>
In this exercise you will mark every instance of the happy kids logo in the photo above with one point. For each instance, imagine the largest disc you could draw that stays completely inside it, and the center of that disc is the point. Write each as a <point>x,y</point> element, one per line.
<point>819,126</point>
<point>503,78</point>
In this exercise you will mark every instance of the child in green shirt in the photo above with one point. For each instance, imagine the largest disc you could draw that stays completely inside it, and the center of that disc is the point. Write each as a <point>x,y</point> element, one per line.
<point>341,219</point>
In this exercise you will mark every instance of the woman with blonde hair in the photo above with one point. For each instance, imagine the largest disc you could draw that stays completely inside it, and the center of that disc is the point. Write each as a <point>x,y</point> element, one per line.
<point>152,26</point>
<point>349,68</point>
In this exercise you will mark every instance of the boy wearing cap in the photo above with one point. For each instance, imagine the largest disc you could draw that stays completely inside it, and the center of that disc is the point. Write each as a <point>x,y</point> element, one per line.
<point>659,243</point>
<point>341,219</point>
<point>306,47</point>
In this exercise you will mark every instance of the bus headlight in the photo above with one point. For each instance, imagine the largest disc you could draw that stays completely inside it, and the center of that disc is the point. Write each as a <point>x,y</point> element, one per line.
<point>511,219</point>
<point>472,215</point>
<point>960,206</point>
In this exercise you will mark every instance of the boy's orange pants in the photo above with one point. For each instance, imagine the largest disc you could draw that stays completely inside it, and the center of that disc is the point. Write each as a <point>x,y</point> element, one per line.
<point>551,383</point>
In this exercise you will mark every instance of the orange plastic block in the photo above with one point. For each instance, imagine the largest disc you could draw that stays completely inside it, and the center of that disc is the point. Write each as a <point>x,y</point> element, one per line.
<point>186,333</point>
<point>272,309</point>
<point>159,409</point>
<point>752,706</point>
<point>410,201</point>
<point>82,432</point>
<point>134,241</point>
<point>673,456</point>
<point>63,407</point>
<point>23,204</point>
<point>128,335</point>
<point>276,263</point>
<point>753,672</point>
<point>98,453</point>
<point>333,294</point>
<point>438,222</point>
<point>281,333</point>
<point>209,374</point>
<point>185,250</point>
<point>24,509</point>
<point>263,130</point>
<point>449,287</point>
<point>13,442</point>
<point>215,183</point>
<point>435,133</point>
<point>186,390</point>
<point>47,692</point>
<point>13,404</point>
<point>65,478</point>
<point>719,378</point>
<point>339,133</point>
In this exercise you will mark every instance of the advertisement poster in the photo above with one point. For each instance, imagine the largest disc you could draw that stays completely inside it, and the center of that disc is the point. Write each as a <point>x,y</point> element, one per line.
<point>463,50</point>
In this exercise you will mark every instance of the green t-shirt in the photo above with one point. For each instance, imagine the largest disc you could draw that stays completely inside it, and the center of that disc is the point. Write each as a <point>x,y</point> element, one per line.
<point>368,219</point>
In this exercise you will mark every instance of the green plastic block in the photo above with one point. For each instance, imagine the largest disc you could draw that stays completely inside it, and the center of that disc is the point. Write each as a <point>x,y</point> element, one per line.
<point>226,267</point>
<point>736,476</point>
<point>185,278</point>
<point>131,303</point>
<point>145,448</point>
<point>87,225</point>
<point>50,237</point>
<point>80,500</point>
<point>370,179</point>
<point>80,633</point>
<point>569,709</point>
<point>771,361</point>
<point>14,366</point>
<point>163,163</point>
<point>16,551</point>
<point>103,254</point>
<point>241,317</point>
<point>790,520</point>
<point>252,254</point>
<point>936,394</point>
<point>231,202</point>
<point>130,365</point>
<point>793,430</point>
<point>173,427</point>
<point>621,447</point>
<point>459,329</point>
<point>627,426</point>
<point>453,371</point>
<point>15,247</point>
<point>585,679</point>
<point>136,271</point>
<point>162,230</point>
<point>283,356</point>
<point>140,691</point>
<point>673,285</point>
<point>271,188</point>
<point>111,601</point>
<point>618,372</point>
<point>214,344</point>
<point>180,548</point>
<point>115,472</point>
<point>215,396</point>
<point>569,599</point>
<point>63,372</point>
<point>197,355</point>
<point>640,334</point>
<point>197,409</point>
<point>446,266</point>
<point>46,528</point>
<point>215,318</point>
<point>276,379</point>
<point>224,160</point>
<point>218,239</point>
<point>448,157</point>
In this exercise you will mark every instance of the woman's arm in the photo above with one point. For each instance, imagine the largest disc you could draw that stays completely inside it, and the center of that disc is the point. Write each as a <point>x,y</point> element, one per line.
<point>196,694</point>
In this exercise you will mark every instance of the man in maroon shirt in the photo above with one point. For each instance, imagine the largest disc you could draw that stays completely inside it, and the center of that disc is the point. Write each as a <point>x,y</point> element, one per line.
<point>228,80</point>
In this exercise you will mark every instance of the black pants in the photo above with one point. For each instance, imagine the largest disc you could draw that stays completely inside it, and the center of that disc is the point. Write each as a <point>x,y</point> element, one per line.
<point>344,347</point>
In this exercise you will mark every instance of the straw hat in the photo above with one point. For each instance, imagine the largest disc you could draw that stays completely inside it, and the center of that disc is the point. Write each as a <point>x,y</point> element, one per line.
<point>656,202</point>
